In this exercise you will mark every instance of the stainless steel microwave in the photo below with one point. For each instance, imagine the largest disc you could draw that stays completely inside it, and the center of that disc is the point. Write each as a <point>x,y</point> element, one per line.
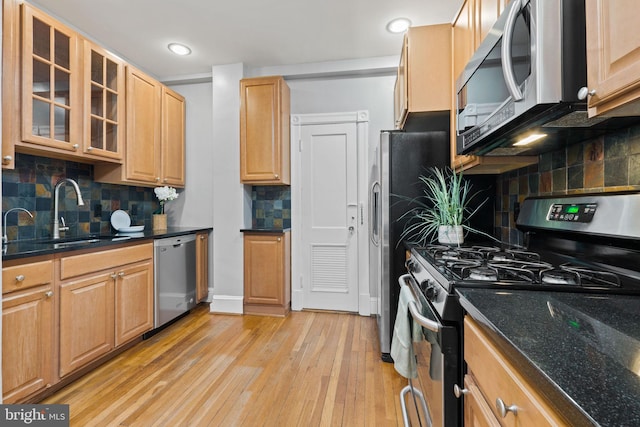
<point>524,76</point>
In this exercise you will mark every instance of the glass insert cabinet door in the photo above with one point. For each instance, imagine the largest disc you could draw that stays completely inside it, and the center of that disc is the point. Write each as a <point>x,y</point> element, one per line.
<point>51,85</point>
<point>104,99</point>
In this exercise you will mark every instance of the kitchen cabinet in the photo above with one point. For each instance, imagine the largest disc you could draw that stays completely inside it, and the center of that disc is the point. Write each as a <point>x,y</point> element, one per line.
<point>104,109</point>
<point>27,327</point>
<point>202,266</point>
<point>474,19</point>
<point>51,85</point>
<point>10,81</point>
<point>106,299</point>
<point>265,131</point>
<point>155,126</point>
<point>613,57</point>
<point>496,393</point>
<point>267,273</point>
<point>424,73</point>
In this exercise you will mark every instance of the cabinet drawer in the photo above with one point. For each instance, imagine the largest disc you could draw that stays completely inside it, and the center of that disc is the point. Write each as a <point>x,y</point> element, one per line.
<point>497,378</point>
<point>90,262</point>
<point>26,275</point>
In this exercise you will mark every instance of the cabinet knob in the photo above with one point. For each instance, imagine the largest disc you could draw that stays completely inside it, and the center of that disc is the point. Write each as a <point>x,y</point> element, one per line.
<point>114,276</point>
<point>7,159</point>
<point>75,147</point>
<point>276,176</point>
<point>201,237</point>
<point>89,148</point>
<point>503,409</point>
<point>121,274</point>
<point>157,178</point>
<point>165,180</point>
<point>48,294</point>
<point>20,278</point>
<point>279,239</point>
<point>584,92</point>
<point>459,391</point>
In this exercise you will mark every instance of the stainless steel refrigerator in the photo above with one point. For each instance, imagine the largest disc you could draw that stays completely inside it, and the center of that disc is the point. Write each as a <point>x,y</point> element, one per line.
<point>403,157</point>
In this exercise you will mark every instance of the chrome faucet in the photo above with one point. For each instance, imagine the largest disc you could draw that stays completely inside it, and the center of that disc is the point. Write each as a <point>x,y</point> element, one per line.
<point>5,238</point>
<point>56,191</point>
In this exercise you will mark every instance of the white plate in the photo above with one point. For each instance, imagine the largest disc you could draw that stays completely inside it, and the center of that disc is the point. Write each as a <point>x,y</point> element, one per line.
<point>132,229</point>
<point>120,219</point>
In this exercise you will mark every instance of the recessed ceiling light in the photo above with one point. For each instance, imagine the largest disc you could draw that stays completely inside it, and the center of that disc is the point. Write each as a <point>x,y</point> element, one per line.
<point>531,138</point>
<point>398,25</point>
<point>179,49</point>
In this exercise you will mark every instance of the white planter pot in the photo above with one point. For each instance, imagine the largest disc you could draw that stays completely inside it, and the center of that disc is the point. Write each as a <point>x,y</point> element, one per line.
<point>450,234</point>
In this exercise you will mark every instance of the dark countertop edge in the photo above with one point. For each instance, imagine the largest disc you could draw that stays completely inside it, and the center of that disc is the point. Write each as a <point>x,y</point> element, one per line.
<point>555,396</point>
<point>265,230</point>
<point>32,248</point>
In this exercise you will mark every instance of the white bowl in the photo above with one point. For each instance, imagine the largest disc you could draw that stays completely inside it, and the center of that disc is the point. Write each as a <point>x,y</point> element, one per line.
<point>132,229</point>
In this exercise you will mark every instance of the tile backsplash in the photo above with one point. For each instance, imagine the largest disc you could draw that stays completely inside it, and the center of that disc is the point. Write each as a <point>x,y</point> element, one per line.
<point>30,185</point>
<point>271,206</point>
<point>605,164</point>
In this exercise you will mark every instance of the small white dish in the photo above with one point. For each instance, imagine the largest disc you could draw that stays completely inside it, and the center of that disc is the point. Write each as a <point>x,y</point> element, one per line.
<point>132,229</point>
<point>120,219</point>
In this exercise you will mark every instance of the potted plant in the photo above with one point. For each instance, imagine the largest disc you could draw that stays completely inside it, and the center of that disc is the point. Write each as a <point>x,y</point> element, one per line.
<point>164,194</point>
<point>443,211</point>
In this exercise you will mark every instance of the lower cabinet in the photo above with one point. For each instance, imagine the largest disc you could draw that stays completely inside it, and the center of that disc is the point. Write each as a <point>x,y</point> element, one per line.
<point>267,273</point>
<point>27,328</point>
<point>495,392</point>
<point>102,310</point>
<point>202,266</point>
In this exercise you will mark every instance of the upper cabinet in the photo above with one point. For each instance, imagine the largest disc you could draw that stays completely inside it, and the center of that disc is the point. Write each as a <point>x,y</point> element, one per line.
<point>613,57</point>
<point>155,126</point>
<point>424,72</point>
<point>51,84</point>
<point>472,23</point>
<point>264,131</point>
<point>104,99</point>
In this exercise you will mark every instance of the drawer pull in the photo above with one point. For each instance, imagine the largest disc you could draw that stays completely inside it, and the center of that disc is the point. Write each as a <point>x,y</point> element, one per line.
<point>459,391</point>
<point>20,278</point>
<point>48,294</point>
<point>503,409</point>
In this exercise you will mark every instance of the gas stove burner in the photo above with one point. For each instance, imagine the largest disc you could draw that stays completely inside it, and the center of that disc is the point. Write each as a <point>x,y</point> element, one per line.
<point>449,255</point>
<point>559,277</point>
<point>486,274</point>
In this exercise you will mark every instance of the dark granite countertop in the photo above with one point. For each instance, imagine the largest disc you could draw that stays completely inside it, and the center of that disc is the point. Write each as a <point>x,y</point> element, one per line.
<point>581,350</point>
<point>29,248</point>
<point>264,230</point>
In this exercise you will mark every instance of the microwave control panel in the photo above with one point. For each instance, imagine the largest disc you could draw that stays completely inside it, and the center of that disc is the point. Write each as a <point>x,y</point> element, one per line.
<point>582,212</point>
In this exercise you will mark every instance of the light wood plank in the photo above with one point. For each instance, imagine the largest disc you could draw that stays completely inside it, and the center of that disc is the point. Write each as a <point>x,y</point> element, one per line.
<point>310,368</point>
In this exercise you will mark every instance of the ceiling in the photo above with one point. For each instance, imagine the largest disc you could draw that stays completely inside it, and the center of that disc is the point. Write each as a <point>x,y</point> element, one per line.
<point>258,33</point>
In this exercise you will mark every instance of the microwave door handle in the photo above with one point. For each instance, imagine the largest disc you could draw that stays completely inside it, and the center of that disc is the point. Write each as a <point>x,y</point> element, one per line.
<point>507,63</point>
<point>415,312</point>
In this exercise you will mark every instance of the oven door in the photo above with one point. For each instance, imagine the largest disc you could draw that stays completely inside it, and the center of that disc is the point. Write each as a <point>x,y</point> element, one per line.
<point>431,400</point>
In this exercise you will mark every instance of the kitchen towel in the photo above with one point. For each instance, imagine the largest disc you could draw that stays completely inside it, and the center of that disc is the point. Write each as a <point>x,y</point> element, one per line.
<point>404,333</point>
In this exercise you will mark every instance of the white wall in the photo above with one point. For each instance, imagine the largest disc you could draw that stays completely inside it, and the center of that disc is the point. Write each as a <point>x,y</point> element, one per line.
<point>214,195</point>
<point>194,206</point>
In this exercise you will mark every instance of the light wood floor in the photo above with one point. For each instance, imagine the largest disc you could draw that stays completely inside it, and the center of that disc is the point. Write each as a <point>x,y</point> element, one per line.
<point>309,369</point>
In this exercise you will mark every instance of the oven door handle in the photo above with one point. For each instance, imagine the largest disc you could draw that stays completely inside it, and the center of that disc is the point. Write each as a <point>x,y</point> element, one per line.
<point>415,312</point>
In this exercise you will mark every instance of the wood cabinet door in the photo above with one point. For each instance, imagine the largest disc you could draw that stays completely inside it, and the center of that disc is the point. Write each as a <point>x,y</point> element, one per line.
<point>400,89</point>
<point>202,263</point>
<point>263,269</point>
<point>142,159</point>
<point>51,83</point>
<point>477,412</point>
<point>173,150</point>
<point>86,321</point>
<point>104,103</point>
<point>133,301</point>
<point>27,342</point>
<point>11,113</point>
<point>613,55</point>
<point>264,131</point>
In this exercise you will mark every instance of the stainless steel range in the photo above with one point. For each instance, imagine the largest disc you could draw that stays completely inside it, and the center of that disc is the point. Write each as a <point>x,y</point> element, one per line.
<point>586,243</point>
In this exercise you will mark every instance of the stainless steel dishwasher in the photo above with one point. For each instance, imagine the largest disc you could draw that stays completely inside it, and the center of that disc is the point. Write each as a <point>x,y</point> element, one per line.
<point>174,277</point>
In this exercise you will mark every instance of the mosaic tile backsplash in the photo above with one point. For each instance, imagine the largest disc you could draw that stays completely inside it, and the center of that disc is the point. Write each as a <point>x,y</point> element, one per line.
<point>30,185</point>
<point>271,206</point>
<point>605,164</point>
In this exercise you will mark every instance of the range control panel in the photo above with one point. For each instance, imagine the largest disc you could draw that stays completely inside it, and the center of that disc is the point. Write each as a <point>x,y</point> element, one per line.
<point>582,212</point>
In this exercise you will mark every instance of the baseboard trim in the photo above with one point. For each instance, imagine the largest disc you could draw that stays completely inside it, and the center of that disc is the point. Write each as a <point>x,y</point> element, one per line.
<point>226,304</point>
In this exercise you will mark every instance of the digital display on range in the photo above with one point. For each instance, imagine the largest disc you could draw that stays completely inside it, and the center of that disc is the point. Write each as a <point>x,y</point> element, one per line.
<point>581,212</point>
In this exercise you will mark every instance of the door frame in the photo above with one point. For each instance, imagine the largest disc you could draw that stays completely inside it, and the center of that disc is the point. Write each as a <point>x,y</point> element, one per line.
<point>361,119</point>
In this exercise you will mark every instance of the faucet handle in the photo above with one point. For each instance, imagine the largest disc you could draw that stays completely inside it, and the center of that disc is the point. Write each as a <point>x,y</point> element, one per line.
<point>64,225</point>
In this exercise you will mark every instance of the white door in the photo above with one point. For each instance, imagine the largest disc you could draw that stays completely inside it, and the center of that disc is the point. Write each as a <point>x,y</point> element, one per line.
<point>329,216</point>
